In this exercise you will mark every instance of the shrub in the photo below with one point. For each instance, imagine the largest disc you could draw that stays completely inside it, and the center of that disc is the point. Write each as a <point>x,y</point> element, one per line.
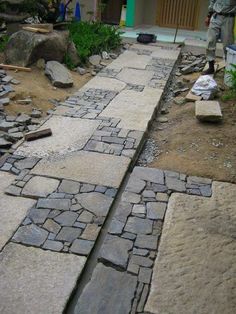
<point>93,38</point>
<point>3,42</point>
<point>231,94</point>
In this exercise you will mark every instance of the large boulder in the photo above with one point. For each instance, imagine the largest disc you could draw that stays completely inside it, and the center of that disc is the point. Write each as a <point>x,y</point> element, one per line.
<point>25,48</point>
<point>58,74</point>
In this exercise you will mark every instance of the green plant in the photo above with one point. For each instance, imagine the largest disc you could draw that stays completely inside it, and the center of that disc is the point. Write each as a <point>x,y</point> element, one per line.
<point>68,61</point>
<point>231,93</point>
<point>93,38</point>
<point>3,42</point>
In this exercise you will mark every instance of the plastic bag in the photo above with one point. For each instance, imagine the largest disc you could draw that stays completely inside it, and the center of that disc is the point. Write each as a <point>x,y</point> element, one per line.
<point>205,86</point>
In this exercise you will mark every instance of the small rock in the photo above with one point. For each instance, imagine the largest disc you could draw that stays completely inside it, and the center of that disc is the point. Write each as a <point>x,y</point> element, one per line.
<point>95,60</point>
<point>162,120</point>
<point>81,71</point>
<point>113,55</point>
<point>5,101</point>
<point>105,55</point>
<point>4,143</point>
<point>36,114</point>
<point>58,74</point>
<point>41,64</point>
<point>180,101</point>
<point>23,118</point>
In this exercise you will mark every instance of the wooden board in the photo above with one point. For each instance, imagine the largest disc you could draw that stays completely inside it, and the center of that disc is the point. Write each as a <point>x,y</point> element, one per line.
<point>36,30</point>
<point>14,67</point>
<point>38,134</point>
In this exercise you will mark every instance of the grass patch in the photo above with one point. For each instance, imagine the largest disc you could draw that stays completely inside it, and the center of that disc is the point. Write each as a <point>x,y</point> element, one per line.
<point>93,37</point>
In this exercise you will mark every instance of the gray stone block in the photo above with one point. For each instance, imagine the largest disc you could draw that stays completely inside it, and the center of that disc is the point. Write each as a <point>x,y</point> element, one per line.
<point>68,234</point>
<point>138,226</point>
<point>208,111</point>
<point>53,245</point>
<point>82,247</point>
<point>31,235</point>
<point>61,204</point>
<point>146,242</point>
<point>150,175</point>
<point>38,216</point>
<point>145,275</point>
<point>156,210</point>
<point>67,218</point>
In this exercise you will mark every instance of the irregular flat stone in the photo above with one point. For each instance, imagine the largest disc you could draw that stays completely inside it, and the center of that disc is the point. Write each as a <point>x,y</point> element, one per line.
<point>115,250</point>
<point>209,111</point>
<point>51,226</point>
<point>94,168</point>
<point>123,211</point>
<point>31,235</point>
<point>91,232</point>
<point>46,279</point>
<point>105,83</point>
<point>95,202</point>
<point>116,292</point>
<point>53,245</point>
<point>146,242</point>
<point>145,275</point>
<point>116,227</point>
<point>68,135</point>
<point>4,143</point>
<point>135,109</point>
<point>27,163</point>
<point>70,187</point>
<point>68,234</point>
<point>197,255</point>
<point>12,209</point>
<point>166,54</point>
<point>138,225</point>
<point>135,184</point>
<point>67,218</point>
<point>38,216</point>
<point>58,74</point>
<point>156,210</point>
<point>61,204</point>
<point>130,59</point>
<point>5,126</point>
<point>131,197</point>
<point>139,209</point>
<point>82,247</point>
<point>135,76</point>
<point>40,187</point>
<point>149,174</point>
<point>175,184</point>
<point>86,217</point>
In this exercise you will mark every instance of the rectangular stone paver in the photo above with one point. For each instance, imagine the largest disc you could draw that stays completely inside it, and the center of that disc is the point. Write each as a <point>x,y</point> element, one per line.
<point>135,109</point>
<point>36,281</point>
<point>130,59</point>
<point>135,76</point>
<point>105,83</point>
<point>209,111</point>
<point>68,134</point>
<point>196,265</point>
<point>12,209</point>
<point>166,54</point>
<point>94,168</point>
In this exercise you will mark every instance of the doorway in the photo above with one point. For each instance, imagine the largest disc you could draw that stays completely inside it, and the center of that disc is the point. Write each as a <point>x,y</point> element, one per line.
<point>112,11</point>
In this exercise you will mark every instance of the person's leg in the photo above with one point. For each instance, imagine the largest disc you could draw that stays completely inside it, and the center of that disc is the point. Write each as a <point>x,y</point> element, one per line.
<point>227,32</point>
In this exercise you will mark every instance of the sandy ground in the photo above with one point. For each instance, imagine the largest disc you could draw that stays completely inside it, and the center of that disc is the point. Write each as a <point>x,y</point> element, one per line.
<point>194,148</point>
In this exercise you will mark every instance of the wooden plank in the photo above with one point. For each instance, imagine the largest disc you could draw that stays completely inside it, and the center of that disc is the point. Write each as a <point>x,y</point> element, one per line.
<point>14,67</point>
<point>36,30</point>
<point>35,135</point>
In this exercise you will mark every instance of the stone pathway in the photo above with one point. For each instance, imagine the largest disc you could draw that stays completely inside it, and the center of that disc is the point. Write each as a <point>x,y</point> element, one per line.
<point>66,183</point>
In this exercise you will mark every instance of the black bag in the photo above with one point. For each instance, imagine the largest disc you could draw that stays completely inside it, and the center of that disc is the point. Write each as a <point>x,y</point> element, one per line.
<point>144,38</point>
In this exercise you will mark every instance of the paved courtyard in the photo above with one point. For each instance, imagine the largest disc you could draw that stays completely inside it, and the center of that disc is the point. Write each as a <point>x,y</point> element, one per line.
<point>168,239</point>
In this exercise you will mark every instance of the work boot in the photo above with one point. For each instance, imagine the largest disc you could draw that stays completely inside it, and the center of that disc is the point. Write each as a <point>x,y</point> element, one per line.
<point>211,69</point>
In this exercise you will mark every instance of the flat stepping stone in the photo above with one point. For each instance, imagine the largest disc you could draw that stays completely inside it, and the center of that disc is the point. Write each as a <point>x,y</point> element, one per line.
<point>40,187</point>
<point>46,279</point>
<point>208,111</point>
<point>196,255</point>
<point>58,74</point>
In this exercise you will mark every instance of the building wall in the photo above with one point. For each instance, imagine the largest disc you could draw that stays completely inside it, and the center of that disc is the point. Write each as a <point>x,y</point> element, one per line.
<point>85,6</point>
<point>150,12</point>
<point>139,9</point>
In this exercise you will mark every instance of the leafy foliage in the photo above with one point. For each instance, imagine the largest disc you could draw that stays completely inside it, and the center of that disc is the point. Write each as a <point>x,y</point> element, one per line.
<point>68,61</point>
<point>93,38</point>
<point>3,42</point>
<point>231,94</point>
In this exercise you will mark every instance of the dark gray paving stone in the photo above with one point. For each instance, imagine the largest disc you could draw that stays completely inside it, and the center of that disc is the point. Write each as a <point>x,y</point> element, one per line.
<point>111,192</point>
<point>199,180</point>
<point>82,247</point>
<point>70,187</point>
<point>86,188</point>
<point>141,252</point>
<point>133,269</point>
<point>95,202</point>
<point>146,242</point>
<point>141,261</point>
<point>53,213</point>
<point>76,207</point>
<point>150,175</point>
<point>156,210</point>
<point>61,204</point>
<point>145,275</point>
<point>143,299</point>
<point>172,174</point>
<point>101,189</point>
<point>79,225</point>
<point>53,245</point>
<point>116,227</point>
<point>27,163</point>
<point>115,250</point>
<point>206,190</point>
<point>129,236</point>
<point>131,197</point>
<point>116,292</point>
<point>123,211</point>
<point>67,218</point>
<point>138,225</point>
<point>159,188</point>
<point>68,234</point>
<point>86,217</point>
<point>38,216</point>
<point>148,194</point>
<point>13,190</point>
<point>31,235</point>
<point>52,226</point>
<point>175,185</point>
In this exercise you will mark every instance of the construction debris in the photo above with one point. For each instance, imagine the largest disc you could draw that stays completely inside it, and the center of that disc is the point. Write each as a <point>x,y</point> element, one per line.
<point>35,135</point>
<point>14,67</point>
<point>208,111</point>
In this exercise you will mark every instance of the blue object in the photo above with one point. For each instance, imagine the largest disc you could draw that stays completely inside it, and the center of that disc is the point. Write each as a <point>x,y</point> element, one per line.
<point>233,47</point>
<point>77,12</point>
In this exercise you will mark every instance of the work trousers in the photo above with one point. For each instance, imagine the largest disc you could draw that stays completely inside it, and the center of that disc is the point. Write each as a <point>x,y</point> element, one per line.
<point>220,27</point>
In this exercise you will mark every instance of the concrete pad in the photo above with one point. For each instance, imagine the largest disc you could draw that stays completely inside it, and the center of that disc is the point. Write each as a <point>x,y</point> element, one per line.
<point>196,264</point>
<point>40,187</point>
<point>36,281</point>
<point>130,59</point>
<point>166,54</point>
<point>135,109</point>
<point>88,167</point>
<point>208,111</point>
<point>145,47</point>
<point>105,83</point>
<point>12,210</point>
<point>68,135</point>
<point>134,76</point>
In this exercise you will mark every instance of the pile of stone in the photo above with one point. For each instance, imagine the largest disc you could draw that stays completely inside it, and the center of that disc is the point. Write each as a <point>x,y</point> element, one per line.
<point>191,63</point>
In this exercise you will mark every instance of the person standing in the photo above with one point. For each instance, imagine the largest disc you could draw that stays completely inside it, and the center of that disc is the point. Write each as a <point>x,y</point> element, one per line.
<point>220,23</point>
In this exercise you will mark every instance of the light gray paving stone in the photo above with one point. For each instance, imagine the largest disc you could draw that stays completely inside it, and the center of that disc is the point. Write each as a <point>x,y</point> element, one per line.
<point>131,197</point>
<point>46,279</point>
<point>130,59</point>
<point>27,163</point>
<point>51,226</point>
<point>143,299</point>
<point>159,188</point>
<point>97,203</point>
<point>86,217</point>
<point>139,209</point>
<point>116,227</point>
<point>70,187</point>
<point>209,111</point>
<point>67,218</point>
<point>53,245</point>
<point>162,197</point>
<point>38,216</point>
<point>39,187</point>
<point>146,242</point>
<point>148,174</point>
<point>86,188</point>
<point>115,250</point>
<point>145,275</point>
<point>141,261</point>
<point>13,190</point>
<point>156,210</point>
<point>205,190</point>
<point>82,247</point>
<point>61,204</point>
<point>138,225</point>
<point>133,268</point>
<point>116,292</point>
<point>148,194</point>
<point>198,180</point>
<point>68,234</point>
<point>128,235</point>
<point>91,232</point>
<point>142,252</point>
<point>175,185</point>
<point>31,235</point>
<point>172,174</point>
<point>135,76</point>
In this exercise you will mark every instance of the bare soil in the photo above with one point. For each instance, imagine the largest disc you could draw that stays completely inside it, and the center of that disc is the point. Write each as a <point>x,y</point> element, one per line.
<point>203,149</point>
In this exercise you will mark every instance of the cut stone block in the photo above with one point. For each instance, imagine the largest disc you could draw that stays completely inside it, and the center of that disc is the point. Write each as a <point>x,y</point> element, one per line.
<point>68,135</point>
<point>130,59</point>
<point>40,187</point>
<point>58,74</point>
<point>208,111</point>
<point>105,83</point>
<point>89,167</point>
<point>196,258</point>
<point>191,97</point>
<point>166,54</point>
<point>12,210</point>
<point>46,279</point>
<point>135,76</point>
